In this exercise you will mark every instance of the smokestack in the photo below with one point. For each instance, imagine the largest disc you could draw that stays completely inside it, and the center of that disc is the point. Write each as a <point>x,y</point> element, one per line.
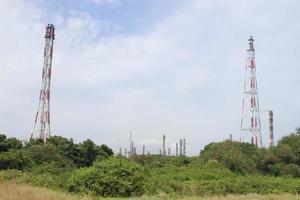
<point>143,149</point>
<point>132,149</point>
<point>176,149</point>
<point>125,153</point>
<point>180,147</point>
<point>130,145</point>
<point>164,145</point>
<point>271,129</point>
<point>169,151</point>
<point>230,137</point>
<point>184,147</point>
<point>120,152</point>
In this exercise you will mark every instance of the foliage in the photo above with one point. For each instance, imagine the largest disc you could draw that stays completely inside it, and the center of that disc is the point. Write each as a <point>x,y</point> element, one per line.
<point>213,178</point>
<point>293,141</point>
<point>291,170</point>
<point>9,143</point>
<point>46,153</point>
<point>13,191</point>
<point>13,160</point>
<point>281,160</point>
<point>83,154</point>
<point>285,153</point>
<point>111,177</point>
<point>234,155</point>
<point>222,168</point>
<point>59,154</point>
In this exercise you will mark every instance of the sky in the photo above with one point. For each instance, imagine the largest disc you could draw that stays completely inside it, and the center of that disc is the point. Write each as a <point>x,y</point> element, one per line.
<point>155,67</point>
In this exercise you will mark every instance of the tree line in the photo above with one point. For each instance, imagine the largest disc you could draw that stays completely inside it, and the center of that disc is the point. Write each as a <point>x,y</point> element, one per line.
<point>87,168</point>
<point>280,160</point>
<point>58,150</point>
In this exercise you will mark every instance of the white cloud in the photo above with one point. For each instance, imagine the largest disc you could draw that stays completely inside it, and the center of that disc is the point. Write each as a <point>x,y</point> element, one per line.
<point>110,2</point>
<point>183,78</point>
<point>149,142</point>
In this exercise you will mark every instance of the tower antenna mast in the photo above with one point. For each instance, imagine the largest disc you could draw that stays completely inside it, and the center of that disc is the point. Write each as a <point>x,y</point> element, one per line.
<point>41,127</point>
<point>250,119</point>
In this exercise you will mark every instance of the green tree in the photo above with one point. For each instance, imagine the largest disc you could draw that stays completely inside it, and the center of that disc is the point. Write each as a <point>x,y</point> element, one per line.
<point>9,143</point>
<point>88,152</point>
<point>3,144</point>
<point>292,170</point>
<point>13,160</point>
<point>47,153</point>
<point>2,137</point>
<point>293,141</point>
<point>233,155</point>
<point>266,161</point>
<point>285,153</point>
<point>65,146</point>
<point>34,141</point>
<point>108,151</point>
<point>13,143</point>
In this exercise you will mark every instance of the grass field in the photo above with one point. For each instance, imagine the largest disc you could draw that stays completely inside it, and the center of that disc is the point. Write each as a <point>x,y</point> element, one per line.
<point>12,191</point>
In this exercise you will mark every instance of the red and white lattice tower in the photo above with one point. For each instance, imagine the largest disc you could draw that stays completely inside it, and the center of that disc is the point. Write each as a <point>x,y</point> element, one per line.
<point>41,127</point>
<point>250,120</point>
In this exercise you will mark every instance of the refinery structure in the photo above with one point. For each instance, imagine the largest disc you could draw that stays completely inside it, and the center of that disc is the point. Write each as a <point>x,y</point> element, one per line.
<point>164,151</point>
<point>250,124</point>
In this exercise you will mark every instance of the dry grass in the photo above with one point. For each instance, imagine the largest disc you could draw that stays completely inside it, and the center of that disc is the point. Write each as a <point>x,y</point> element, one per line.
<point>249,197</point>
<point>12,191</point>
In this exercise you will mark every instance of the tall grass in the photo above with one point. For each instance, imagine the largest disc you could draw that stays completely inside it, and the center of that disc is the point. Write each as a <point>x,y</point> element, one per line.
<point>12,191</point>
<point>214,179</point>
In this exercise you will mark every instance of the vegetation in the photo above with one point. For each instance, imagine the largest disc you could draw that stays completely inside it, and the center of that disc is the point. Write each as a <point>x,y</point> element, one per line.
<point>222,168</point>
<point>112,177</point>
<point>58,151</point>
<point>12,191</point>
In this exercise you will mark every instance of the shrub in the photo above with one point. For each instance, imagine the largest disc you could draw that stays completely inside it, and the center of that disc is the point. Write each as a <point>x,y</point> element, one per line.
<point>116,177</point>
<point>285,153</point>
<point>10,174</point>
<point>291,170</point>
<point>293,141</point>
<point>53,168</point>
<point>235,156</point>
<point>47,153</point>
<point>13,160</point>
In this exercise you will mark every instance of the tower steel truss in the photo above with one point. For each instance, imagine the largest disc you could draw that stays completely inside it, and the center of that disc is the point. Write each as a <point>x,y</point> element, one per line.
<point>250,119</point>
<point>41,127</point>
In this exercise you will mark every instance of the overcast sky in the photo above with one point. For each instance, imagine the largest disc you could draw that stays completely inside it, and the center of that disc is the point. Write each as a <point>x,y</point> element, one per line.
<point>173,67</point>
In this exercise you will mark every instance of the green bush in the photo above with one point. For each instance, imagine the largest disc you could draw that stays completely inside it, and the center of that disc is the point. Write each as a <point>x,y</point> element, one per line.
<point>285,153</point>
<point>53,168</point>
<point>116,177</point>
<point>214,178</point>
<point>49,180</point>
<point>234,155</point>
<point>293,141</point>
<point>13,160</point>
<point>10,174</point>
<point>291,170</point>
<point>222,168</point>
<point>47,153</point>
